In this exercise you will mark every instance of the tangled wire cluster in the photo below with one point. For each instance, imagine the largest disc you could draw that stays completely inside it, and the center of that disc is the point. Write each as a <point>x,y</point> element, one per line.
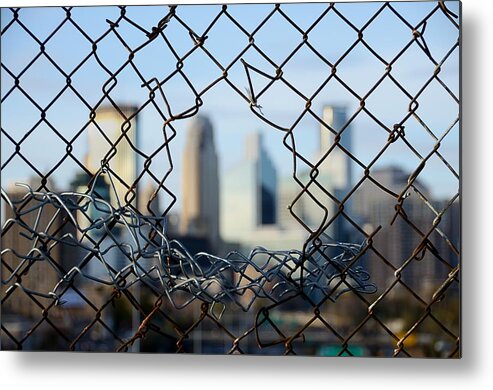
<point>238,278</point>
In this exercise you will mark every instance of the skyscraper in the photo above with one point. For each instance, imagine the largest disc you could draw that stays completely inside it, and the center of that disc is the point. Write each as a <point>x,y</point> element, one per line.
<point>335,170</point>
<point>398,241</point>
<point>266,175</point>
<point>116,128</point>
<point>99,190</point>
<point>200,182</point>
<point>337,164</point>
<point>50,257</point>
<point>328,182</point>
<point>249,192</point>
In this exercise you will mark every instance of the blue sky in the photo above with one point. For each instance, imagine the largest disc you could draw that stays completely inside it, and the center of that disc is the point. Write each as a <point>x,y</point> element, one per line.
<point>229,113</point>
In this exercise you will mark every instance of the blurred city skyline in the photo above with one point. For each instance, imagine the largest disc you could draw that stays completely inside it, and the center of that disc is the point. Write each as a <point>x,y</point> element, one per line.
<point>229,114</point>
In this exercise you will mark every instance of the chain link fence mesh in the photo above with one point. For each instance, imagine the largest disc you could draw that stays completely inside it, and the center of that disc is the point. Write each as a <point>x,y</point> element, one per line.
<point>329,297</point>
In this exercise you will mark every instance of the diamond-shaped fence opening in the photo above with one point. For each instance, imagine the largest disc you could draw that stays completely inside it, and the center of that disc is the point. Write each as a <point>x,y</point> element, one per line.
<point>139,224</point>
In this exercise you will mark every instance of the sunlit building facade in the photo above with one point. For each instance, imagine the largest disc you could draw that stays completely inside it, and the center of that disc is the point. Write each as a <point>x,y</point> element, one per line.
<point>200,182</point>
<point>249,193</point>
<point>113,137</point>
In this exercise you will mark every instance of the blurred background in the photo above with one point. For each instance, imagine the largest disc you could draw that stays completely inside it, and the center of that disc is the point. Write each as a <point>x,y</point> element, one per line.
<point>232,128</point>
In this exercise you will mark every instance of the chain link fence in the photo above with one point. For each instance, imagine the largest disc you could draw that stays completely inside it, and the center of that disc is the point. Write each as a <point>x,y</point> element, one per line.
<point>376,275</point>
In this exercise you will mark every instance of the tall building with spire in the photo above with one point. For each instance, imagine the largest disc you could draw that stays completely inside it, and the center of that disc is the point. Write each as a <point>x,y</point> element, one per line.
<point>200,182</point>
